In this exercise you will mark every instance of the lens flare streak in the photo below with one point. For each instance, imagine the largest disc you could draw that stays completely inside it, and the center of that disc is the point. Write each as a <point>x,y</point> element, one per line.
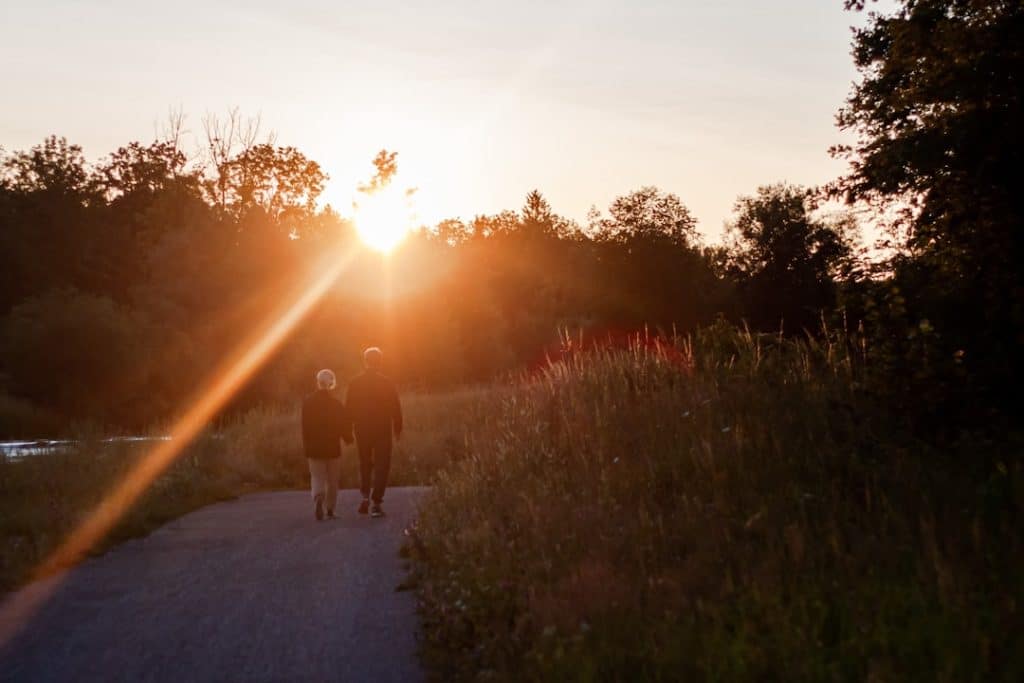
<point>224,383</point>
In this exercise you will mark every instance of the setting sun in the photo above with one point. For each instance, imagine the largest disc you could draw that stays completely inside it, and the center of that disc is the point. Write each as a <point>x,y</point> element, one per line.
<point>383,218</point>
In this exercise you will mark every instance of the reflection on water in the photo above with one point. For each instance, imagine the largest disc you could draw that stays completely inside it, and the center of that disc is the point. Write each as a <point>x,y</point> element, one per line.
<point>21,449</point>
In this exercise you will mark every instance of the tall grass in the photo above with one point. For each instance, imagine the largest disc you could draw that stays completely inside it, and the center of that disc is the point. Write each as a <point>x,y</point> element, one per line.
<point>730,507</point>
<point>44,497</point>
<point>264,446</point>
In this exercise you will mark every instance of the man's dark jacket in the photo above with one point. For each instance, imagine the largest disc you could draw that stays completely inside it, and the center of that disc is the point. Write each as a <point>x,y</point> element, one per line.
<point>373,406</point>
<point>324,424</point>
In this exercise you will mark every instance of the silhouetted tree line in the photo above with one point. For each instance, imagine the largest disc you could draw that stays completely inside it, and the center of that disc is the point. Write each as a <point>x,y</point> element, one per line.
<point>125,282</point>
<point>128,280</point>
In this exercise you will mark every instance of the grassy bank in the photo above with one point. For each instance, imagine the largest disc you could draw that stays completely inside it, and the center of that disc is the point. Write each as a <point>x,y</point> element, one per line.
<point>44,497</point>
<point>734,508</point>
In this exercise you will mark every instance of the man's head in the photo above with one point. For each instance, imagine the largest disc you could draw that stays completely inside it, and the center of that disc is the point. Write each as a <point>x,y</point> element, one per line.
<point>373,357</point>
<point>325,379</point>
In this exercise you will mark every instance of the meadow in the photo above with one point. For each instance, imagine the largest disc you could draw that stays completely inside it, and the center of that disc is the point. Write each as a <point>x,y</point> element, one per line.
<point>723,507</point>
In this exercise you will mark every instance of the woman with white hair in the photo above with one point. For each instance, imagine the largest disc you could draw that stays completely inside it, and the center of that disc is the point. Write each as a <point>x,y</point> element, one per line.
<point>325,424</point>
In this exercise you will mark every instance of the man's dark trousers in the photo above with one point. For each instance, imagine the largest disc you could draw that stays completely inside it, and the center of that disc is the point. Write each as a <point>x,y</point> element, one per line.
<point>376,413</point>
<point>374,463</point>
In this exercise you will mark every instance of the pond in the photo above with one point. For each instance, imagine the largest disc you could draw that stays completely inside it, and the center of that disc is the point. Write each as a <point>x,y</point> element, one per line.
<point>24,448</point>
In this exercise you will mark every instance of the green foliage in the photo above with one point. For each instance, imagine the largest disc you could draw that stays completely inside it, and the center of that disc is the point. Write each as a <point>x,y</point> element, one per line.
<point>20,416</point>
<point>937,114</point>
<point>279,181</point>
<point>53,167</point>
<point>68,350</point>
<point>385,167</point>
<point>785,260</point>
<point>647,214</point>
<point>726,507</point>
<point>48,222</point>
<point>147,170</point>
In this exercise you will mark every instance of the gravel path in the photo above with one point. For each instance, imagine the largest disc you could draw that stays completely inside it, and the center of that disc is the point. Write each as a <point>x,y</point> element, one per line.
<point>249,590</point>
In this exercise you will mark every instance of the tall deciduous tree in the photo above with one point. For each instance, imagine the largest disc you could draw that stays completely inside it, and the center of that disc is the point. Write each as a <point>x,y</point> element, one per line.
<point>937,114</point>
<point>648,214</point>
<point>138,168</point>
<point>47,228</point>
<point>281,181</point>
<point>785,260</point>
<point>655,273</point>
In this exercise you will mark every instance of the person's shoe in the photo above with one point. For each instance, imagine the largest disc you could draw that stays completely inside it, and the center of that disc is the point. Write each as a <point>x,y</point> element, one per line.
<point>376,510</point>
<point>364,507</point>
<point>330,514</point>
<point>319,512</point>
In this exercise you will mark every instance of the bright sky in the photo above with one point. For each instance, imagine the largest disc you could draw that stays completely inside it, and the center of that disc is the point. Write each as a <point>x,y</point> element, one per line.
<point>484,101</point>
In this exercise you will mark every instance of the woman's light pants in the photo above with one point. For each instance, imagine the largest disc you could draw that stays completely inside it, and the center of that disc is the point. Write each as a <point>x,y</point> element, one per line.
<point>324,476</point>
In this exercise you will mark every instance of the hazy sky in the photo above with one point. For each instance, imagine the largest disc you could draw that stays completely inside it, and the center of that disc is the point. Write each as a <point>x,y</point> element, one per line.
<point>483,101</point>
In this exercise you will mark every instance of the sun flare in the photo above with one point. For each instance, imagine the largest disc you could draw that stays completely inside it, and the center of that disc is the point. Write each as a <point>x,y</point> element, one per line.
<point>383,218</point>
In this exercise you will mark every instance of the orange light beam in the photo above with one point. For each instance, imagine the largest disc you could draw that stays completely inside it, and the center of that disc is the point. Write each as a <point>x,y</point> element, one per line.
<point>224,383</point>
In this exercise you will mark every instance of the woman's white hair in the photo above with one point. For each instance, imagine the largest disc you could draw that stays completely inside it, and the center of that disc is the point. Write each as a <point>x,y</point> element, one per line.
<point>373,357</point>
<point>325,379</point>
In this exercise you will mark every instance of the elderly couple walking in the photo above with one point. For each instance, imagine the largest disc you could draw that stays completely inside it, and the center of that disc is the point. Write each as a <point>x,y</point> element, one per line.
<point>372,413</point>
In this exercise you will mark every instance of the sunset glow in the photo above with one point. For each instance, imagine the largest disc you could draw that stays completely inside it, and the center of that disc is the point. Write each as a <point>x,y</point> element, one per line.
<point>613,340</point>
<point>511,103</point>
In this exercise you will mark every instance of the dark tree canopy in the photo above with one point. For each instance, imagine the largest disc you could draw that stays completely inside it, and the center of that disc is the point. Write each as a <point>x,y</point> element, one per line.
<point>937,115</point>
<point>939,144</point>
<point>785,260</point>
<point>648,214</point>
<point>55,166</point>
<point>149,169</point>
<point>279,181</point>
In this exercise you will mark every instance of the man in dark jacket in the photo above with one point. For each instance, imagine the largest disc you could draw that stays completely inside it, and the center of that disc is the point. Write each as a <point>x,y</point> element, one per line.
<point>325,424</point>
<point>376,414</point>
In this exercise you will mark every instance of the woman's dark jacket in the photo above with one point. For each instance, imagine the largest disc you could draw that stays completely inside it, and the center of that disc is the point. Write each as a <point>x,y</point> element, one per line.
<point>324,424</point>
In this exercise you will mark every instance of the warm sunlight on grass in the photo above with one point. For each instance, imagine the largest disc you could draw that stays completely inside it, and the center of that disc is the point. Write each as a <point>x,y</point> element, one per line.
<point>383,218</point>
